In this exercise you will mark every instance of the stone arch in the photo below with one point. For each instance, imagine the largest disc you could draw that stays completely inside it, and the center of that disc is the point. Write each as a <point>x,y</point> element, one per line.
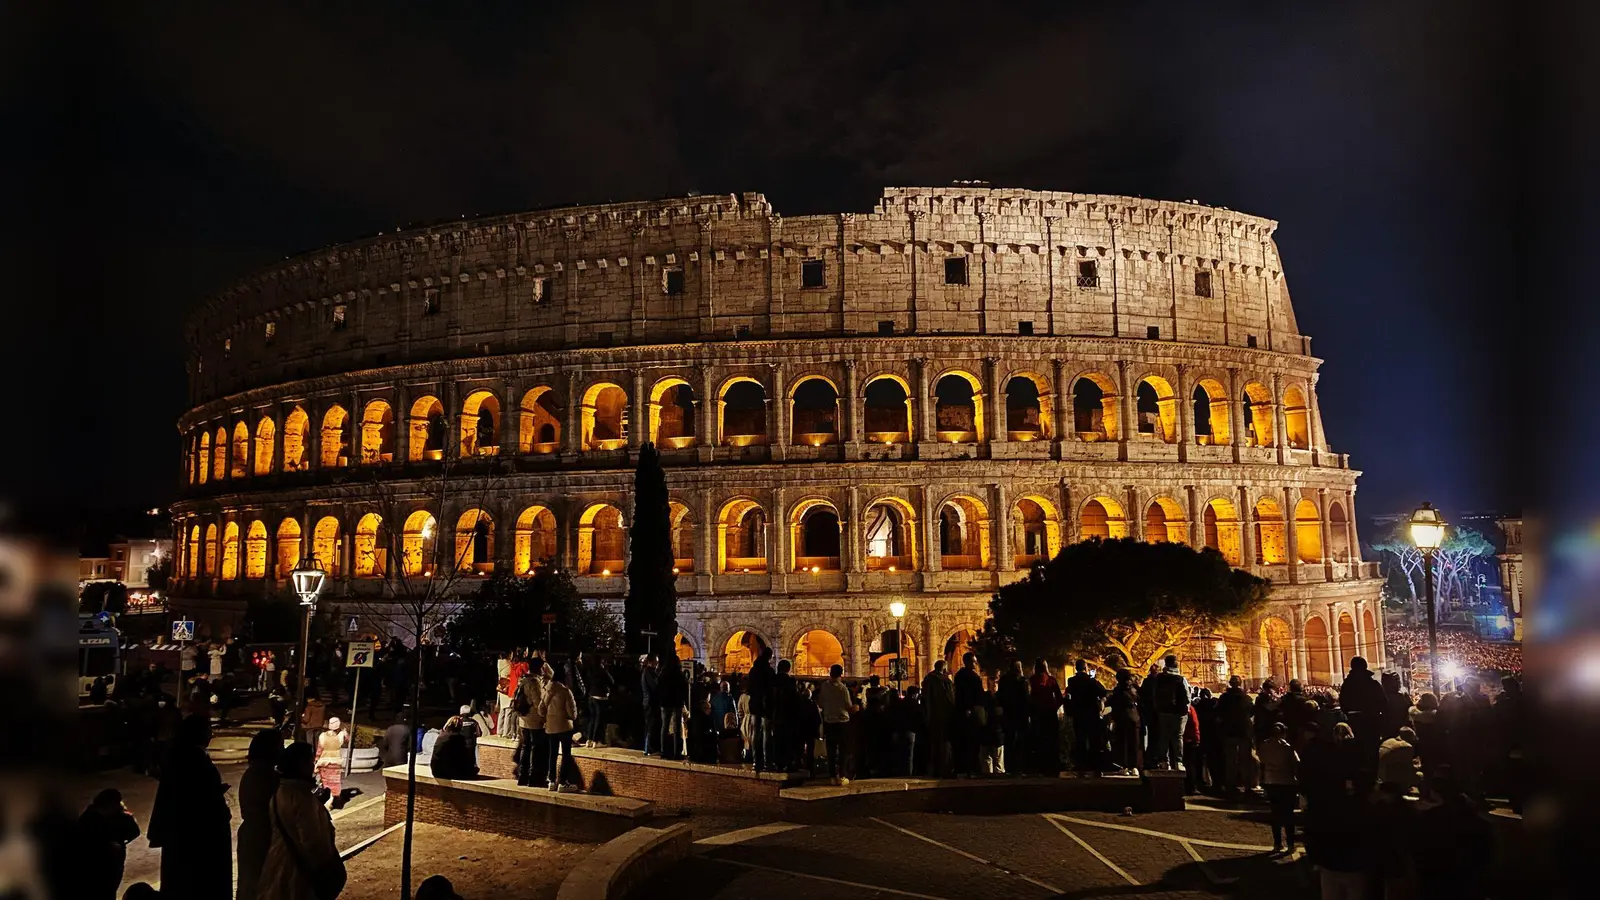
<point>886,409</point>
<point>958,406</point>
<point>741,537</point>
<point>1276,649</point>
<point>1296,418</point>
<point>296,435</point>
<point>958,645</point>
<point>1317,651</point>
<point>1094,407</point>
<point>288,547</point>
<point>203,455</point>
<point>681,529</point>
<point>219,455</point>
<point>1338,532</point>
<point>1156,409</point>
<point>1030,411</point>
<point>1222,529</point>
<point>1348,645</point>
<point>672,413</point>
<point>885,649</point>
<point>814,411</point>
<point>417,545</point>
<point>211,550</point>
<point>192,568</point>
<point>815,535</point>
<point>1036,529</point>
<point>1212,420</point>
<point>1164,521</point>
<point>241,450</point>
<point>1272,544</point>
<point>377,433</point>
<point>255,550</point>
<point>683,647</point>
<point>740,650</point>
<point>604,416</point>
<point>265,439</point>
<point>479,429</point>
<point>230,551</point>
<point>742,412</point>
<point>888,535</point>
<point>427,429</point>
<point>1308,531</point>
<point>1101,517</point>
<point>475,541</point>
<point>539,421</point>
<point>1258,418</point>
<point>602,543</point>
<point>1369,638</point>
<point>371,557</point>
<point>534,539</point>
<point>815,651</point>
<point>326,544</point>
<point>331,440</point>
<point>964,542</point>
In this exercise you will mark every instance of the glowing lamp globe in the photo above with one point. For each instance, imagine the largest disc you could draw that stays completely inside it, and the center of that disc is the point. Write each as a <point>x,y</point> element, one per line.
<point>308,577</point>
<point>897,609</point>
<point>1427,528</point>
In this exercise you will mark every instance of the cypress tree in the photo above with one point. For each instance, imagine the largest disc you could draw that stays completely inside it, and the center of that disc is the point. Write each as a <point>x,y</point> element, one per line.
<point>652,602</point>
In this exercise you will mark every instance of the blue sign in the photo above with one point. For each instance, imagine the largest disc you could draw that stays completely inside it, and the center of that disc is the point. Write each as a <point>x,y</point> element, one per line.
<point>183,630</point>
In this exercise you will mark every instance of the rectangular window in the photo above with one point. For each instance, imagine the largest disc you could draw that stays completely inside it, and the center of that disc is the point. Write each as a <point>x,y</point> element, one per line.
<point>1153,332</point>
<point>672,281</point>
<point>955,270</point>
<point>812,274</point>
<point>338,317</point>
<point>604,338</point>
<point>272,331</point>
<point>1088,274</point>
<point>886,327</point>
<point>430,302</point>
<point>1025,328</point>
<point>1250,341</point>
<point>227,347</point>
<point>538,289</point>
<point>1202,284</point>
<point>741,332</point>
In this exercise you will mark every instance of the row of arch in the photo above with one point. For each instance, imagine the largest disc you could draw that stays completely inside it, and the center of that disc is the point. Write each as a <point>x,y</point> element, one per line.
<point>816,650</point>
<point>741,416</point>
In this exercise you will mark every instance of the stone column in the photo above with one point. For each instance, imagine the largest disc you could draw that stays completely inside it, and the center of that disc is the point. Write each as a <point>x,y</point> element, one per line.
<point>505,540</point>
<point>1313,418</point>
<point>705,545</point>
<point>1291,535</point>
<point>1235,414</point>
<point>1127,424</point>
<point>1000,515</point>
<point>926,432</point>
<point>856,655</point>
<point>778,562</point>
<point>930,531</point>
<point>1185,413</point>
<point>853,423</point>
<point>269,574</point>
<point>1335,665</point>
<point>1302,657</point>
<point>1196,518</point>
<point>778,415</point>
<point>1350,528</point>
<point>850,536</point>
<point>572,433</point>
<point>251,416</point>
<point>1280,424</point>
<point>1061,416</point>
<point>1133,511</point>
<point>1069,515</point>
<point>1327,538</point>
<point>510,420</point>
<point>707,437</point>
<point>1247,530</point>
<point>452,418</point>
<point>638,425</point>
<point>566,514</point>
<point>997,430</point>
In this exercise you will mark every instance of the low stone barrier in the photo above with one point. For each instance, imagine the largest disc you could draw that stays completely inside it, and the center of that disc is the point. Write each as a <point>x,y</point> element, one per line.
<point>501,806</point>
<point>981,796</point>
<point>612,871</point>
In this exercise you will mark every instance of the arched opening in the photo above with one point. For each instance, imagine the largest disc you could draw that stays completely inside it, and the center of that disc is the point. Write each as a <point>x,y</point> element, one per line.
<point>741,651</point>
<point>296,434</point>
<point>963,534</point>
<point>1338,532</point>
<point>1272,546</point>
<point>1094,408</point>
<point>742,537</point>
<point>193,556</point>
<point>1296,418</point>
<point>1036,530</point>
<point>1029,416</point>
<point>203,457</point>
<point>535,539</point>
<point>417,544</point>
<point>815,416</point>
<point>682,531</point>
<point>957,647</point>
<point>1317,651</point>
<point>539,421</point>
<point>230,551</point>
<point>241,450</point>
<point>265,433</point>
<point>1222,529</point>
<point>1277,650</point>
<point>1347,640</point>
<point>1211,425</point>
<point>815,652</point>
<point>887,648</point>
<point>886,407</point>
<point>742,413</point>
<point>672,419</point>
<point>219,455</point>
<point>427,429</point>
<point>327,545</point>
<point>1157,409</point>
<point>1102,517</point>
<point>371,557</point>
<point>1369,639</point>
<point>958,407</point>
<point>475,542</point>
<point>331,440</point>
<point>682,647</point>
<point>1164,521</point>
<point>377,433</point>
<point>480,424</point>
<point>255,551</point>
<point>604,417</point>
<point>1257,403</point>
<point>816,543</point>
<point>288,548</point>
<point>211,550</point>
<point>888,540</point>
<point>602,542</point>
<point>1308,531</point>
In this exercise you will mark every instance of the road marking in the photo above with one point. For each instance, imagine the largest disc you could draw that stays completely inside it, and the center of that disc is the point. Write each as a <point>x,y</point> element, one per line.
<point>352,851</point>
<point>974,857</point>
<point>1205,868</point>
<point>854,884</point>
<point>1097,854</point>
<point>1180,838</point>
<point>747,834</point>
<point>341,813</point>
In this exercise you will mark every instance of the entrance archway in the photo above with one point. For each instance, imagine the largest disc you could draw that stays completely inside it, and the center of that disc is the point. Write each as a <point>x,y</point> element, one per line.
<point>885,649</point>
<point>1277,650</point>
<point>741,650</point>
<point>1317,651</point>
<point>1347,640</point>
<point>956,647</point>
<point>815,652</point>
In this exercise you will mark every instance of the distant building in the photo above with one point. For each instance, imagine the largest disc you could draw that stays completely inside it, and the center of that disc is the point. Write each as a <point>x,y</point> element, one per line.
<point>128,560</point>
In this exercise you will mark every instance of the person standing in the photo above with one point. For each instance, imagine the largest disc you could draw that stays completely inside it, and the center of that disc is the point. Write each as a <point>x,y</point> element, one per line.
<point>1012,698</point>
<point>758,684</point>
<point>672,693</point>
<point>1149,719</point>
<point>834,698</point>
<point>560,711</point>
<point>1234,712</point>
<point>528,706</point>
<point>1172,708</point>
<point>256,788</point>
<point>215,653</point>
<point>906,719</point>
<point>502,694</point>
<point>1396,707</point>
<point>189,822</point>
<point>650,701</point>
<point>599,684</point>
<point>186,662</point>
<point>303,863</point>
<point>968,689</point>
<point>330,759</point>
<point>1044,705</point>
<point>938,708</point>
<point>1362,700</point>
<point>573,668</point>
<point>1086,698</point>
<point>1278,779</point>
<point>104,831</point>
<point>1124,702</point>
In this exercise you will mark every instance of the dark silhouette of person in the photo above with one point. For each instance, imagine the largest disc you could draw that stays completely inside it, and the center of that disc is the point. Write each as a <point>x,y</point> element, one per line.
<point>189,821</point>
<point>104,831</point>
<point>256,788</point>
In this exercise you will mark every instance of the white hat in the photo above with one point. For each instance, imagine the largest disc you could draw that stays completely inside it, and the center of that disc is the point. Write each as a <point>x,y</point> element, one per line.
<point>333,723</point>
<point>466,710</point>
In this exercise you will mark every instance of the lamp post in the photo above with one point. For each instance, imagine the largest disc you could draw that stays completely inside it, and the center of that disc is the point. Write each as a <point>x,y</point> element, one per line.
<point>898,610</point>
<point>308,577</point>
<point>1427,532</point>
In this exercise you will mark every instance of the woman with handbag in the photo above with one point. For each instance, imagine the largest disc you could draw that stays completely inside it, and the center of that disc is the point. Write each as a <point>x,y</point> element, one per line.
<point>303,862</point>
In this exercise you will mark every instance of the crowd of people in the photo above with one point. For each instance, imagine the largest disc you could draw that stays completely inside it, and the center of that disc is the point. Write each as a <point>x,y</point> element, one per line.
<point>1474,654</point>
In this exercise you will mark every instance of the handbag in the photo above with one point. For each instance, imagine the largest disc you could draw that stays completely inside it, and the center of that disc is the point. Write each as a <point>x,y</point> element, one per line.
<point>327,882</point>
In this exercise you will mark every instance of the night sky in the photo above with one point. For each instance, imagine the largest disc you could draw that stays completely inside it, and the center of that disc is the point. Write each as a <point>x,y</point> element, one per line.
<point>211,142</point>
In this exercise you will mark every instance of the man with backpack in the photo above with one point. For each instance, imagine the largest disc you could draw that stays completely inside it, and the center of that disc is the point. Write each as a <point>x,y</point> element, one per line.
<point>1171,696</point>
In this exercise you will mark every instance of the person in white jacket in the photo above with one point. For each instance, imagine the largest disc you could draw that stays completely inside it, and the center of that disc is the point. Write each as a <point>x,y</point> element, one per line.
<point>560,716</point>
<point>302,861</point>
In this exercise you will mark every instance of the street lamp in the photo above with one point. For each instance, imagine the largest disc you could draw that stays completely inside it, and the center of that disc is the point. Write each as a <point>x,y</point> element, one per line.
<point>307,577</point>
<point>898,610</point>
<point>1427,532</point>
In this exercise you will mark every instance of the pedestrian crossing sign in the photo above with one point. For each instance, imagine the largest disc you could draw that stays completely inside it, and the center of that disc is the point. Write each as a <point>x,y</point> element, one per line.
<point>183,630</point>
<point>359,655</point>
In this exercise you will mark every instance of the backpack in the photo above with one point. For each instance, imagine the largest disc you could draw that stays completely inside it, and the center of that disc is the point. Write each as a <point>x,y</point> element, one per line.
<point>520,704</point>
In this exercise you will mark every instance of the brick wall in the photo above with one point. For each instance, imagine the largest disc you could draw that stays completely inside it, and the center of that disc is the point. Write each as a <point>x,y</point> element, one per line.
<point>496,814</point>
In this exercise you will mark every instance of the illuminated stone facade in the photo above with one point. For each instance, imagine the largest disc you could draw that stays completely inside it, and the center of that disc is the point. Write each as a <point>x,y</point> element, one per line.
<point>913,403</point>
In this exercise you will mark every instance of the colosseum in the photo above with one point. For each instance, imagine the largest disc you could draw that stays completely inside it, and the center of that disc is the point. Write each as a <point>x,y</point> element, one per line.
<point>914,403</point>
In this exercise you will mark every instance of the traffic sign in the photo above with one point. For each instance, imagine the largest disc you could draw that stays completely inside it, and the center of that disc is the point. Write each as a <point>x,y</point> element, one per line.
<point>183,630</point>
<point>549,618</point>
<point>359,654</point>
<point>898,669</point>
<point>350,625</point>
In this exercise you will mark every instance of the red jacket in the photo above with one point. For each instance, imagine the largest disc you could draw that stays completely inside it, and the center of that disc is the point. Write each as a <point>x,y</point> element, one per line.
<point>1191,728</point>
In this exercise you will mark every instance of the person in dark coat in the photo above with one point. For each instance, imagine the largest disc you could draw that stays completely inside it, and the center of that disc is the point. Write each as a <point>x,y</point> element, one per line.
<point>968,687</point>
<point>1234,715</point>
<point>650,702</point>
<point>256,788</point>
<point>1044,704</point>
<point>1012,698</point>
<point>452,757</point>
<point>1149,724</point>
<point>397,743</point>
<point>672,694</point>
<point>1397,705</point>
<point>189,822</point>
<point>599,683</point>
<point>1124,702</point>
<point>577,681</point>
<point>1085,699</point>
<point>938,709</point>
<point>104,831</point>
<point>783,705</point>
<point>758,684</point>
<point>1362,700</point>
<point>1297,712</point>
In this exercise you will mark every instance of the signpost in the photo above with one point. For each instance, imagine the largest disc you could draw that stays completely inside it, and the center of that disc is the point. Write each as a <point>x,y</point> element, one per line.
<point>357,655</point>
<point>549,629</point>
<point>182,630</point>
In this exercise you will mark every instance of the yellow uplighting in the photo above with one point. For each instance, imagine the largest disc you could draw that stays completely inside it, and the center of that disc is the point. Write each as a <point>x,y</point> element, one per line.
<point>605,572</point>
